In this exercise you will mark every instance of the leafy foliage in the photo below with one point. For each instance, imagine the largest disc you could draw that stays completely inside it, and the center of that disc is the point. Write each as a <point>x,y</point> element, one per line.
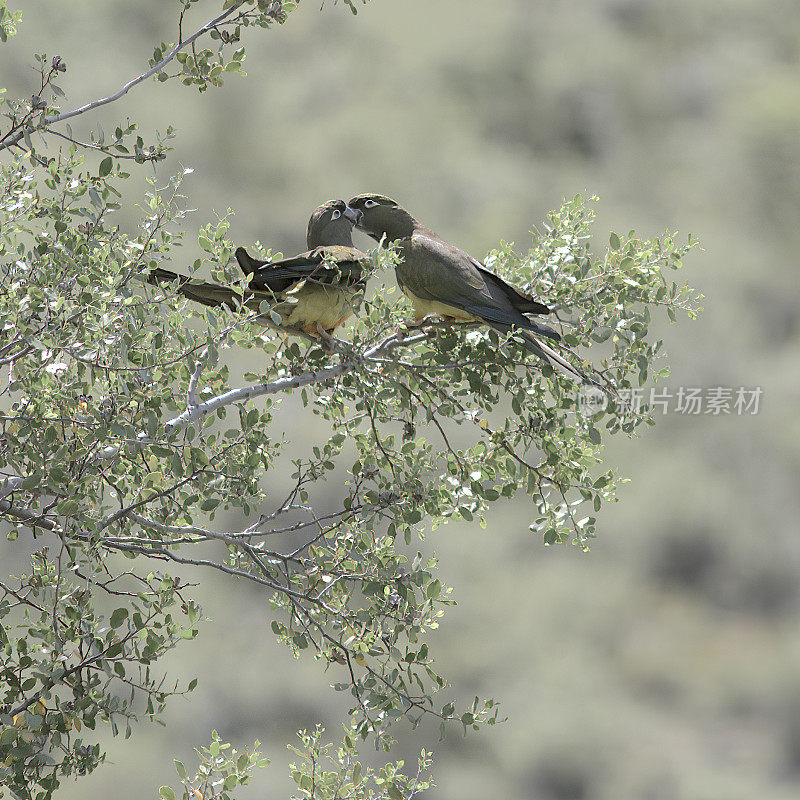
<point>123,441</point>
<point>322,773</point>
<point>221,770</point>
<point>8,21</point>
<point>67,666</point>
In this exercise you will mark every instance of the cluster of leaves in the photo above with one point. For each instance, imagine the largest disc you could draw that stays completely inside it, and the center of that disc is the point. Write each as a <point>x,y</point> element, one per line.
<point>32,121</point>
<point>609,298</point>
<point>522,424</point>
<point>8,21</point>
<point>221,770</point>
<point>328,772</point>
<point>67,665</point>
<point>29,126</point>
<point>207,67</point>
<point>324,771</point>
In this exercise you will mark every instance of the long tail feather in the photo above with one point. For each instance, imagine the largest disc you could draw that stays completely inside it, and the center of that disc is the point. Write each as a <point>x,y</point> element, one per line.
<point>209,294</point>
<point>548,354</point>
<point>543,330</point>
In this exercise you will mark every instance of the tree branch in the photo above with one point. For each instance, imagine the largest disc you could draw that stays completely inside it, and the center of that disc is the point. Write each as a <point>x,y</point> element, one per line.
<point>350,363</point>
<point>122,91</point>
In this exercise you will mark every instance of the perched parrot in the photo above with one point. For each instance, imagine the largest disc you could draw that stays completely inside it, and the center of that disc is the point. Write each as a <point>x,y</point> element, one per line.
<point>441,279</point>
<point>313,292</point>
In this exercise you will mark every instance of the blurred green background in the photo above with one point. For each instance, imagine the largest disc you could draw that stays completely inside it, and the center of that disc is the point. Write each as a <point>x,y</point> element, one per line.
<point>666,662</point>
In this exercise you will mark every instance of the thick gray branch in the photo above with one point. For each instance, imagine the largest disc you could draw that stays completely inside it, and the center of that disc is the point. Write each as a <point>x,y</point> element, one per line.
<point>375,353</point>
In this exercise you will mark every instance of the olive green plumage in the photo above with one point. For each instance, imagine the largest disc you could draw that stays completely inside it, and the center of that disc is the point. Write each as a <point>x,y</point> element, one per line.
<point>442,279</point>
<point>318,289</point>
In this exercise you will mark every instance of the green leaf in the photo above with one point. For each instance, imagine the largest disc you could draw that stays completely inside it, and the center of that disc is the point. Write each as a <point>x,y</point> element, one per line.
<point>31,482</point>
<point>8,736</point>
<point>199,457</point>
<point>167,792</point>
<point>180,769</point>
<point>105,166</point>
<point>68,507</point>
<point>118,617</point>
<point>394,792</point>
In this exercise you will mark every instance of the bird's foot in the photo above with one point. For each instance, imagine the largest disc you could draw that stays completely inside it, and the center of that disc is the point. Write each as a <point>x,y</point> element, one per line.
<point>401,331</point>
<point>330,343</point>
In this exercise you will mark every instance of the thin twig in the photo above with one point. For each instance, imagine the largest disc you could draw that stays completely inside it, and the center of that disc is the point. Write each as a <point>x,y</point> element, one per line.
<point>191,395</point>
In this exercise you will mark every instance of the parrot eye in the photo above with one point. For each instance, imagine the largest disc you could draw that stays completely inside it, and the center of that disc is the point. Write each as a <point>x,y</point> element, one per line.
<point>370,203</point>
<point>336,214</point>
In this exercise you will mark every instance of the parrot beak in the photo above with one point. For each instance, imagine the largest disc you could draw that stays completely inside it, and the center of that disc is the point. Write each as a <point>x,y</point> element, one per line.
<point>354,215</point>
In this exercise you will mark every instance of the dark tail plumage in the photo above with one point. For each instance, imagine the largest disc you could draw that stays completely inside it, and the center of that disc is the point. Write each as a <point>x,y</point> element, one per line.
<point>209,294</point>
<point>546,353</point>
<point>248,264</point>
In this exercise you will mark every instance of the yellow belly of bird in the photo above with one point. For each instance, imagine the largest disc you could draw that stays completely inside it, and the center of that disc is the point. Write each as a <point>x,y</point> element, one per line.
<point>423,308</point>
<point>320,305</point>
